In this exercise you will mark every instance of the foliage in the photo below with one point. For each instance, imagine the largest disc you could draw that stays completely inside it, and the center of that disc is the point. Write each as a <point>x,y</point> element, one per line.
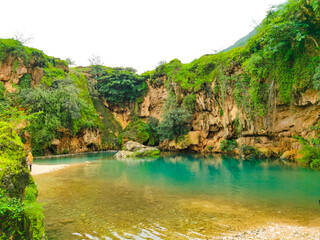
<point>32,56</point>
<point>33,211</point>
<point>311,148</point>
<point>12,216</point>
<point>145,133</point>
<point>11,149</point>
<point>248,151</point>
<point>21,218</point>
<point>279,61</point>
<point>316,78</point>
<point>189,102</point>
<point>58,106</point>
<point>228,145</point>
<point>51,74</point>
<point>175,124</point>
<point>121,86</point>
<point>25,81</point>
<point>152,129</point>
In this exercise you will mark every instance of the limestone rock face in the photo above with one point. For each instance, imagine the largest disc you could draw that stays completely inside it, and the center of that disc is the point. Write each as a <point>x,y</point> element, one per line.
<point>214,120</point>
<point>133,149</point>
<point>153,103</point>
<point>85,141</point>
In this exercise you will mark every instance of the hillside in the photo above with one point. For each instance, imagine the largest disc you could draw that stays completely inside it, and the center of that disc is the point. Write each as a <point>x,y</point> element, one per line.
<point>259,99</point>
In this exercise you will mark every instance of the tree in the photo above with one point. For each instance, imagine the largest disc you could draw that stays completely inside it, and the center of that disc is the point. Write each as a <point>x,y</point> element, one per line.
<point>175,124</point>
<point>58,106</point>
<point>121,86</point>
<point>21,37</point>
<point>96,66</point>
<point>95,60</point>
<point>70,62</point>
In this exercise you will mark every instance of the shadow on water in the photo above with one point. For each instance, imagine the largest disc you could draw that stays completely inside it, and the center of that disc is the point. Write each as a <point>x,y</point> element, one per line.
<point>175,196</point>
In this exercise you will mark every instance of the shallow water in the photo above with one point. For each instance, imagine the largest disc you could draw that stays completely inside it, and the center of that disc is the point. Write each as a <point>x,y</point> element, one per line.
<point>176,196</point>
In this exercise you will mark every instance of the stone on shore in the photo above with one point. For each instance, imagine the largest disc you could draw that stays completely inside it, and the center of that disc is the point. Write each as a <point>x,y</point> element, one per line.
<point>134,149</point>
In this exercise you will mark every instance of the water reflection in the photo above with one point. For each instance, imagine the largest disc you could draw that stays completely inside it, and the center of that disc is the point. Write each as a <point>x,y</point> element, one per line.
<point>175,196</point>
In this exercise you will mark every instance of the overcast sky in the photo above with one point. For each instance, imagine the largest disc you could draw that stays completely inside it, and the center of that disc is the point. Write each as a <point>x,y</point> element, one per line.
<point>131,33</point>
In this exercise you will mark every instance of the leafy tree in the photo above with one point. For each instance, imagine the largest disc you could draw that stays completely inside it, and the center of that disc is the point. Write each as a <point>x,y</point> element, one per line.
<point>58,107</point>
<point>175,124</point>
<point>311,148</point>
<point>121,86</point>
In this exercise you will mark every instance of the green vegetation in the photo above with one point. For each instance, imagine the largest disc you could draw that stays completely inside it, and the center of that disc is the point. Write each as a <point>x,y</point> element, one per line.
<point>228,145</point>
<point>176,120</point>
<point>280,60</point>
<point>139,131</point>
<point>110,127</point>
<point>58,106</point>
<point>121,86</point>
<point>9,110</point>
<point>11,149</point>
<point>20,218</point>
<point>311,148</point>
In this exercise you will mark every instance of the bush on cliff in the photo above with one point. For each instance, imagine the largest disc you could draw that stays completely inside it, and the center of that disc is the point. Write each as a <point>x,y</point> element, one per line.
<point>58,106</point>
<point>228,145</point>
<point>20,215</point>
<point>145,133</point>
<point>175,124</point>
<point>311,148</point>
<point>122,86</point>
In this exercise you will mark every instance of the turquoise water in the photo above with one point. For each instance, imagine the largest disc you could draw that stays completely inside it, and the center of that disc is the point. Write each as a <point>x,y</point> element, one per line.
<point>164,192</point>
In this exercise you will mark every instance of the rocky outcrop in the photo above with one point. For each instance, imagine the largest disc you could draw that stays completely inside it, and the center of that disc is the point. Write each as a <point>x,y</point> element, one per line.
<point>153,102</point>
<point>85,141</point>
<point>134,149</point>
<point>214,121</point>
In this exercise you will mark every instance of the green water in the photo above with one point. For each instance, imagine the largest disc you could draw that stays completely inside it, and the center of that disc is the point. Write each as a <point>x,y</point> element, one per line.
<point>176,196</point>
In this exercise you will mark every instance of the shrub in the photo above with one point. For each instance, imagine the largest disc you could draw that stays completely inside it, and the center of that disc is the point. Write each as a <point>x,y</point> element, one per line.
<point>311,148</point>
<point>136,130</point>
<point>248,151</point>
<point>57,107</point>
<point>228,145</point>
<point>25,81</point>
<point>121,86</point>
<point>189,101</point>
<point>175,124</point>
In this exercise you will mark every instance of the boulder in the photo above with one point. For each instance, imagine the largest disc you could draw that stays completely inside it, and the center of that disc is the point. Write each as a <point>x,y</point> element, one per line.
<point>133,149</point>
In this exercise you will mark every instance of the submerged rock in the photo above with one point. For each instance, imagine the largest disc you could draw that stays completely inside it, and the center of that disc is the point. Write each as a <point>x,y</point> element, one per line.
<point>134,149</point>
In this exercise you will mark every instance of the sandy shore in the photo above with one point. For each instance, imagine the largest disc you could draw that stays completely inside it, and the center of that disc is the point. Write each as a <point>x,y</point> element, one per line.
<point>40,169</point>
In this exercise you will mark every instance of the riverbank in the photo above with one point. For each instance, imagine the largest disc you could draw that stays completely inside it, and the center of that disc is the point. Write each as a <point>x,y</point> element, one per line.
<point>41,169</point>
<point>277,231</point>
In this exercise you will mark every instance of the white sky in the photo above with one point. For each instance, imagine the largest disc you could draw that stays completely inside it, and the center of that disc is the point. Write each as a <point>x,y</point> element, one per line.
<point>131,33</point>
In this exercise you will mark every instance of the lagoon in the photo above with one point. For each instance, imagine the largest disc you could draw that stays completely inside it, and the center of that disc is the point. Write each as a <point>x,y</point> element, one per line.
<point>174,196</point>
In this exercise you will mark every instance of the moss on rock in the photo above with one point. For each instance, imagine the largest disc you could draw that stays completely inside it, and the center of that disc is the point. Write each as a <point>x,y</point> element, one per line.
<point>20,215</point>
